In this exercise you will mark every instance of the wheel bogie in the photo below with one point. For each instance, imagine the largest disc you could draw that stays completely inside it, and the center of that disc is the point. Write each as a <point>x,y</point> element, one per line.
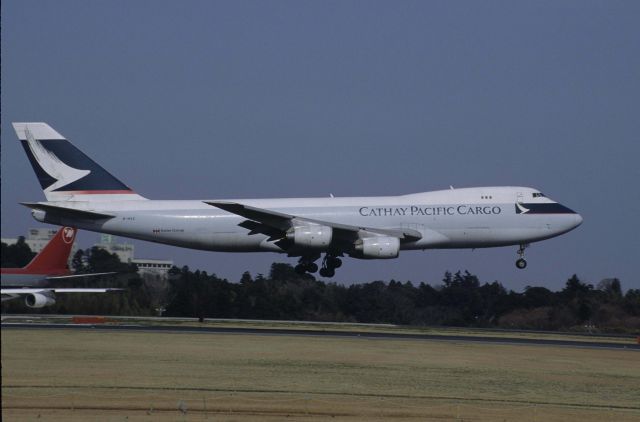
<point>329,265</point>
<point>334,262</point>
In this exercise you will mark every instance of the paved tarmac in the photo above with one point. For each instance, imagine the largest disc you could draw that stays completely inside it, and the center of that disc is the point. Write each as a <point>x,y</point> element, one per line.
<point>333,333</point>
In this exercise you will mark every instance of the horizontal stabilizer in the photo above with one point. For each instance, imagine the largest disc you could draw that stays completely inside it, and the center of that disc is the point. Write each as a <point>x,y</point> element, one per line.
<point>68,212</point>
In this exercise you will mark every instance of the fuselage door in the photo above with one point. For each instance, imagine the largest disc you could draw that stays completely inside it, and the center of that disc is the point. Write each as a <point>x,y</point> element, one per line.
<point>519,198</point>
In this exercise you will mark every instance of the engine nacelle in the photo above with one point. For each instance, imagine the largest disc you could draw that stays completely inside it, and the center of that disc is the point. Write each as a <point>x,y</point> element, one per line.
<point>312,236</point>
<point>378,247</point>
<point>38,300</point>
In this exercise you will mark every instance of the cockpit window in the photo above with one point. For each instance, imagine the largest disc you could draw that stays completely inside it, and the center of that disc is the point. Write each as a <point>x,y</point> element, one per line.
<point>538,195</point>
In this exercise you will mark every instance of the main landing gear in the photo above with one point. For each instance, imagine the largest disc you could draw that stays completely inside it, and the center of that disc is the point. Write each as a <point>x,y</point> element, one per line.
<point>521,263</point>
<point>306,265</point>
<point>329,265</point>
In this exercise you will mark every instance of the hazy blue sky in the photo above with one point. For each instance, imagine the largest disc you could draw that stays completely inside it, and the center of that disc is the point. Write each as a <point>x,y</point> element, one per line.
<point>252,99</point>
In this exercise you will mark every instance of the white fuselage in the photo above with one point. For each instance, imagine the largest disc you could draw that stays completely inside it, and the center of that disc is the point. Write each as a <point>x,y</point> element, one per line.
<point>455,218</point>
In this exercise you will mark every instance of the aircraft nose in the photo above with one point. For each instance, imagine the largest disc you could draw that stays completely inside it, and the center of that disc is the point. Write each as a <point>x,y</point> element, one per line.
<point>577,220</point>
<point>568,219</point>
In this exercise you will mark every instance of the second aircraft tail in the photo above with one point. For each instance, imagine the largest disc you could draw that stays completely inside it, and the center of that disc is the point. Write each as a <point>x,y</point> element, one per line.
<point>55,255</point>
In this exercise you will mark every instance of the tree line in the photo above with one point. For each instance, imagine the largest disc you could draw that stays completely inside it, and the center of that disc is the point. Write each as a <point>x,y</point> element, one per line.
<point>459,299</point>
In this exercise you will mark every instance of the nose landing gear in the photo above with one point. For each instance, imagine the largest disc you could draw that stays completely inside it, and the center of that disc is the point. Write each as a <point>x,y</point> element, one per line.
<point>521,263</point>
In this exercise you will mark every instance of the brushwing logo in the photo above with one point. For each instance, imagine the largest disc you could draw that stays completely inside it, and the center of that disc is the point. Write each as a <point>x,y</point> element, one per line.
<point>68,233</point>
<point>520,209</point>
<point>52,165</point>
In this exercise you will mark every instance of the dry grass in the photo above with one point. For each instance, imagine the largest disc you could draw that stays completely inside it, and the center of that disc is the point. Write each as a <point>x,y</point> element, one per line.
<point>78,375</point>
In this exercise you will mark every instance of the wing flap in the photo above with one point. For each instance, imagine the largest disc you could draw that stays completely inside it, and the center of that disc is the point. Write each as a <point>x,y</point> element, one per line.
<point>270,218</point>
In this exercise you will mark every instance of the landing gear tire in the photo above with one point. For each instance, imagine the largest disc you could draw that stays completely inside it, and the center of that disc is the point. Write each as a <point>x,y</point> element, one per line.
<point>327,272</point>
<point>305,266</point>
<point>334,262</point>
<point>521,263</point>
<point>329,265</point>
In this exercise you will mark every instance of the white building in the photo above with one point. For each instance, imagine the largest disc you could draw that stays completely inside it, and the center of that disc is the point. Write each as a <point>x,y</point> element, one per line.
<point>158,267</point>
<point>123,250</point>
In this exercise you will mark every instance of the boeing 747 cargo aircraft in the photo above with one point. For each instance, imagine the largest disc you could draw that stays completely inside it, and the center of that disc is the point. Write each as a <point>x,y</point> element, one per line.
<point>34,281</point>
<point>81,193</point>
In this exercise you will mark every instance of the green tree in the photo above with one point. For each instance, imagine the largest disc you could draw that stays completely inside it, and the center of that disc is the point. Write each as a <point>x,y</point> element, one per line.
<point>77,262</point>
<point>575,287</point>
<point>632,302</point>
<point>611,287</point>
<point>17,255</point>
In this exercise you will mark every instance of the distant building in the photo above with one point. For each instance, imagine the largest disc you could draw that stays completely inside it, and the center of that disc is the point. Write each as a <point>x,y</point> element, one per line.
<point>157,267</point>
<point>123,250</point>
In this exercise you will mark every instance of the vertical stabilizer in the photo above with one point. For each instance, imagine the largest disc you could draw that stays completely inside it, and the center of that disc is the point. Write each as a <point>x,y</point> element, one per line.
<point>54,257</point>
<point>66,173</point>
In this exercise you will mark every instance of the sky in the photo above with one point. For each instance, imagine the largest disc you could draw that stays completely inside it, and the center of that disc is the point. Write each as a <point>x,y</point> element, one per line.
<point>258,99</point>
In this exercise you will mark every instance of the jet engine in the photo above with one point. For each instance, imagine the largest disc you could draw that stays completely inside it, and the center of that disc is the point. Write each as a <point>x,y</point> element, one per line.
<point>314,236</point>
<point>38,300</point>
<point>379,247</point>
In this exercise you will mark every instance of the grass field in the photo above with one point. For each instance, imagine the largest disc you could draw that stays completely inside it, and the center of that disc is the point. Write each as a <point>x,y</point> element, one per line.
<point>81,375</point>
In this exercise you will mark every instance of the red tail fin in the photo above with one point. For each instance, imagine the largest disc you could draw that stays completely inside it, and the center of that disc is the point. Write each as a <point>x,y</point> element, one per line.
<point>55,255</point>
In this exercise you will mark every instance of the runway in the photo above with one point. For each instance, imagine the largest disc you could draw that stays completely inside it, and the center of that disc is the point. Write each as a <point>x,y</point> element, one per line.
<point>329,333</point>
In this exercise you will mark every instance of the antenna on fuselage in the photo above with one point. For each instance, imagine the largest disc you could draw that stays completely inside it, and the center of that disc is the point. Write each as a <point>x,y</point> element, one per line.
<point>451,187</point>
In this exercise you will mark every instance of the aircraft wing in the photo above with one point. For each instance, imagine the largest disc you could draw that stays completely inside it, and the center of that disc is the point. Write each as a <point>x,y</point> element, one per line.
<point>29,291</point>
<point>60,277</point>
<point>274,222</point>
<point>45,296</point>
